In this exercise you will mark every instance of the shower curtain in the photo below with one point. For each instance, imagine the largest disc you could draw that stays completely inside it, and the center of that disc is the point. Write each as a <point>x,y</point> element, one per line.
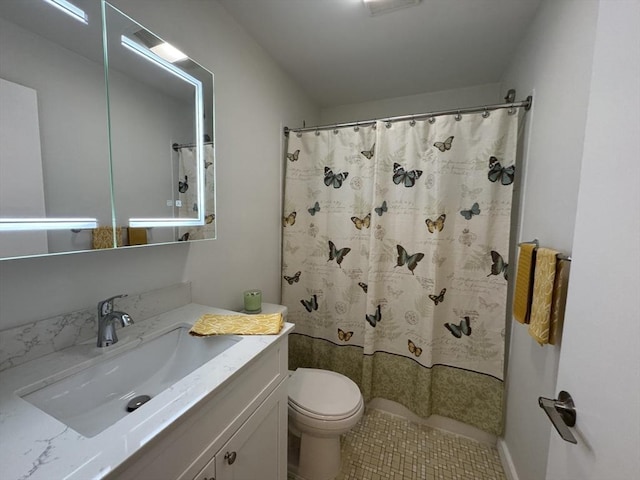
<point>187,193</point>
<point>395,243</point>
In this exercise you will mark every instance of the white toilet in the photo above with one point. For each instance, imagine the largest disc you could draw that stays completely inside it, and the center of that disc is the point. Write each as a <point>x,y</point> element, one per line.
<point>322,406</point>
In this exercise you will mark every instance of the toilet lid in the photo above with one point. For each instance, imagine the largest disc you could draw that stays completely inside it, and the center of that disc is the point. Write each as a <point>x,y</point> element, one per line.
<point>323,393</point>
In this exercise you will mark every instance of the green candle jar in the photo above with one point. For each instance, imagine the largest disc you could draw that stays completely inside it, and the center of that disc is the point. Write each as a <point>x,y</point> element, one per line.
<point>253,301</point>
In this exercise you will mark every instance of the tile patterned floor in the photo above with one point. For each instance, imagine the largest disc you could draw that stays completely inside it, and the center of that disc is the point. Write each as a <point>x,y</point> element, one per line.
<point>384,446</point>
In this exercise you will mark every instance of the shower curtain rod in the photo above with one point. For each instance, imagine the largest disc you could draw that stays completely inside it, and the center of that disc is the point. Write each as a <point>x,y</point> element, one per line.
<point>418,116</point>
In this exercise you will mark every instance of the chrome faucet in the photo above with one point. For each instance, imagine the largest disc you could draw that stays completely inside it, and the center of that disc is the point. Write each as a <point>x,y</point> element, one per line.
<point>106,322</point>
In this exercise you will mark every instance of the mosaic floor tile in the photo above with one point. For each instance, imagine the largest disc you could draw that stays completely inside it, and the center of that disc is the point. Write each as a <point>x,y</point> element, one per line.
<point>384,446</point>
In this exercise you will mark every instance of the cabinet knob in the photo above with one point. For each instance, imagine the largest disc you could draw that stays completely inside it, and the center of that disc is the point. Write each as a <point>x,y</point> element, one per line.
<point>230,457</point>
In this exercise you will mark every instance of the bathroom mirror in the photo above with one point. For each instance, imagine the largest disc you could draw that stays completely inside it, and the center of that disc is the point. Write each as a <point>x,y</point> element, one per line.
<point>160,110</point>
<point>64,168</point>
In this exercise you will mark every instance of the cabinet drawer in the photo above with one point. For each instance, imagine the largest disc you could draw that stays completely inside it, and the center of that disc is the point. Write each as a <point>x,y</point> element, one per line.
<point>193,439</point>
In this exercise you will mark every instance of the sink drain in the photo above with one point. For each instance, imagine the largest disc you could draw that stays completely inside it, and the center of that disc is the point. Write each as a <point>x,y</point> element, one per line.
<point>137,402</point>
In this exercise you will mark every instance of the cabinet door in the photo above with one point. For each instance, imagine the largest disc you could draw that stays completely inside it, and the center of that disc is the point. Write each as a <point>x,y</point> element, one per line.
<point>258,449</point>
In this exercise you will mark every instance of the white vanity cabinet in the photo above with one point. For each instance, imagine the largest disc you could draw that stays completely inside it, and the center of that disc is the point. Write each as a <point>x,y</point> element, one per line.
<point>238,432</point>
<point>253,451</point>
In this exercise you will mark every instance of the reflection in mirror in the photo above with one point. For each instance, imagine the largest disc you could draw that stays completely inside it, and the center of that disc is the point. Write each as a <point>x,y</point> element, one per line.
<point>54,164</point>
<point>165,191</point>
<point>56,157</point>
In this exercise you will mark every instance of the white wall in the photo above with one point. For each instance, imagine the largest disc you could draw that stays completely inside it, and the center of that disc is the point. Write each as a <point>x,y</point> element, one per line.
<point>555,61</point>
<point>253,100</point>
<point>422,103</point>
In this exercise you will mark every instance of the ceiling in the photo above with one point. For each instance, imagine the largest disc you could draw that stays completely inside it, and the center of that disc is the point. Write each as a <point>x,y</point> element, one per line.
<point>340,54</point>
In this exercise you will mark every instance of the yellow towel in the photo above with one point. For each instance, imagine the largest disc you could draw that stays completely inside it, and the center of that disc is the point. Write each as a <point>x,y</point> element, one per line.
<point>102,237</point>
<point>544,278</point>
<point>137,236</point>
<point>524,282</point>
<point>212,324</point>
<point>559,303</point>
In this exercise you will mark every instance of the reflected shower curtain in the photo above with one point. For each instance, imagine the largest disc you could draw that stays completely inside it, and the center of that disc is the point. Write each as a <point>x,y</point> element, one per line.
<point>187,193</point>
<point>395,242</point>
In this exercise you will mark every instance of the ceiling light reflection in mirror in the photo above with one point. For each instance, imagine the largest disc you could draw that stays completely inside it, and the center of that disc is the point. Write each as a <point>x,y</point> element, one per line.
<point>70,9</point>
<point>169,52</point>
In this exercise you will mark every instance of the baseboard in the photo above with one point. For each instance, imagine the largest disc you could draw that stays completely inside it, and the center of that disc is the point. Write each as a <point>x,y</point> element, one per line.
<point>507,462</point>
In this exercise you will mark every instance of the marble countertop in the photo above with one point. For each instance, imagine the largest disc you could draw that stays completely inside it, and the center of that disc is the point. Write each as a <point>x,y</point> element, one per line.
<point>34,445</point>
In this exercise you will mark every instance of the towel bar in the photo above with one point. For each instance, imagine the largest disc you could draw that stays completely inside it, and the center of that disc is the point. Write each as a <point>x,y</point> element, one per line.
<point>560,256</point>
<point>535,240</point>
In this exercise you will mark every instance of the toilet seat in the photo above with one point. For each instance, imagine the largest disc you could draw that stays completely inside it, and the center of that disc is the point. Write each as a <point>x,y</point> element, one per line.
<point>323,395</point>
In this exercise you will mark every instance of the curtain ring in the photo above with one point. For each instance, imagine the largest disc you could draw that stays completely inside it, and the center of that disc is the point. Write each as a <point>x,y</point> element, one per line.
<point>299,134</point>
<point>374,126</point>
<point>458,117</point>
<point>486,113</point>
<point>335,131</point>
<point>432,120</point>
<point>412,122</point>
<point>388,124</point>
<point>512,110</point>
<point>317,133</point>
<point>356,127</point>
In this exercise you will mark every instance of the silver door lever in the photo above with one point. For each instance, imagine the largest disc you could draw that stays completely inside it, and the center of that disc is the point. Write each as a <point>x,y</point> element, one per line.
<point>562,413</point>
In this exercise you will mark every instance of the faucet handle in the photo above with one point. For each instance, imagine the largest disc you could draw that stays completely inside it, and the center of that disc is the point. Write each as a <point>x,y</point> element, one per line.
<point>105,307</point>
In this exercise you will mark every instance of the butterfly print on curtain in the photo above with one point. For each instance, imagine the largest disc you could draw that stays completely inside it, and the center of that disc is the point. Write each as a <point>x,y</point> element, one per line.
<point>411,261</point>
<point>344,336</point>
<point>401,176</point>
<point>337,254</point>
<point>436,225</point>
<point>334,179</point>
<point>474,210</point>
<point>294,279</point>
<point>498,172</point>
<point>313,210</point>
<point>311,304</point>
<point>499,265</point>
<point>464,327</point>
<point>293,156</point>
<point>444,146</point>
<point>375,318</point>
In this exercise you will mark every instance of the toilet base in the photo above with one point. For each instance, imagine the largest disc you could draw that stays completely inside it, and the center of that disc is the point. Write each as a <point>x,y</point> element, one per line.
<point>319,457</point>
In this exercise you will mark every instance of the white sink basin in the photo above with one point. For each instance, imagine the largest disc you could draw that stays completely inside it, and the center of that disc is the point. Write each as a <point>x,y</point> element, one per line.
<point>95,398</point>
